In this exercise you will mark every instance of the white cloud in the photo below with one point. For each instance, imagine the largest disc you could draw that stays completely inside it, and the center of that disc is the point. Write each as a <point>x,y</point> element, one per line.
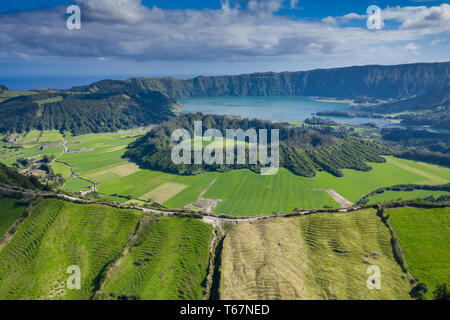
<point>236,32</point>
<point>440,42</point>
<point>412,47</point>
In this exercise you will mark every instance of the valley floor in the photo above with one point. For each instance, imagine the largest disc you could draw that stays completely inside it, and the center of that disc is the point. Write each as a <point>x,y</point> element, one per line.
<point>98,158</point>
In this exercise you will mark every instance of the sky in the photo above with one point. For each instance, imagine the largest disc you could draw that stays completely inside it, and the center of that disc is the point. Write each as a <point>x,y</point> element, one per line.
<point>127,38</point>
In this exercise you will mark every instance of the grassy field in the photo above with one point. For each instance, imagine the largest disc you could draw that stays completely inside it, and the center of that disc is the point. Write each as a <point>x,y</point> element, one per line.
<point>32,136</point>
<point>313,257</point>
<point>11,94</point>
<point>51,136</point>
<point>246,193</point>
<point>141,183</point>
<point>406,195</point>
<point>58,235</point>
<point>75,185</point>
<point>285,191</point>
<point>61,168</point>
<point>170,262</point>
<point>425,238</point>
<point>98,157</point>
<point>9,213</point>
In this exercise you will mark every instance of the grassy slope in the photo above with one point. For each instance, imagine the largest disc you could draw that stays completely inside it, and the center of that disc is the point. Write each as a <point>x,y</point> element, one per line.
<point>425,238</point>
<point>57,235</point>
<point>9,213</point>
<point>406,195</point>
<point>312,257</point>
<point>177,252</point>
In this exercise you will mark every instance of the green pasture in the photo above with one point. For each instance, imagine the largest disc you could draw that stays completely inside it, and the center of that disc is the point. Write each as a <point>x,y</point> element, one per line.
<point>424,236</point>
<point>59,235</point>
<point>170,261</point>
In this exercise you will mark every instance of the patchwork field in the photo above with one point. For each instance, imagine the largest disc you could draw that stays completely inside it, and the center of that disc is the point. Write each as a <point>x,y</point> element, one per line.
<point>58,235</point>
<point>245,193</point>
<point>9,213</point>
<point>425,238</point>
<point>98,157</point>
<point>169,262</point>
<point>324,256</point>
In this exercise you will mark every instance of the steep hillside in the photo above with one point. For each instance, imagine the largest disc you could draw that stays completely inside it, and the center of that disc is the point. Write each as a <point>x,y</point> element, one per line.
<point>54,237</point>
<point>168,260</point>
<point>381,82</point>
<point>322,256</point>
<point>82,113</point>
<point>437,99</point>
<point>11,177</point>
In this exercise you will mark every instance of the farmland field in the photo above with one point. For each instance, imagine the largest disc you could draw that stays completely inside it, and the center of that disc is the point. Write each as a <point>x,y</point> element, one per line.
<point>9,213</point>
<point>406,195</point>
<point>246,193</point>
<point>322,256</point>
<point>75,185</point>
<point>51,136</point>
<point>58,235</point>
<point>425,238</point>
<point>170,262</point>
<point>98,157</point>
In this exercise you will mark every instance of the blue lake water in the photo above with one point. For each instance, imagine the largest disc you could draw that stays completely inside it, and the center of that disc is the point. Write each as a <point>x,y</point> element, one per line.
<point>271,108</point>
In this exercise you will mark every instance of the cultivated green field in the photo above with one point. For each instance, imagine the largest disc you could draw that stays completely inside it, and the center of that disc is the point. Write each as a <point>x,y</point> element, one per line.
<point>58,235</point>
<point>98,157</point>
<point>75,185</point>
<point>9,213</point>
<point>406,195</point>
<point>246,193</point>
<point>425,238</point>
<point>51,136</point>
<point>320,256</point>
<point>60,168</point>
<point>170,261</point>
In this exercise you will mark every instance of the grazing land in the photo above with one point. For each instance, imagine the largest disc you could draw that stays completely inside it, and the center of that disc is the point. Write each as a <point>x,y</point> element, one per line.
<point>99,158</point>
<point>9,213</point>
<point>323,256</point>
<point>169,261</point>
<point>425,238</point>
<point>406,195</point>
<point>58,235</point>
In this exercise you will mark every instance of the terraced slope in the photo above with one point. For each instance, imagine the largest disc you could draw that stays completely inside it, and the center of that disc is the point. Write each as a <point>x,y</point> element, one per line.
<point>425,238</point>
<point>319,256</point>
<point>169,261</point>
<point>58,235</point>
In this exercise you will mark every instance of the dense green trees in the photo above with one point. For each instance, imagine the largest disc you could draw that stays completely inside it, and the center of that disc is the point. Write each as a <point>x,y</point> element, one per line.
<point>82,113</point>
<point>11,177</point>
<point>303,151</point>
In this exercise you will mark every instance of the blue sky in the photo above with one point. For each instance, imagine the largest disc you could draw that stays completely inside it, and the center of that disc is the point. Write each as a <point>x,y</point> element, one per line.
<point>125,38</point>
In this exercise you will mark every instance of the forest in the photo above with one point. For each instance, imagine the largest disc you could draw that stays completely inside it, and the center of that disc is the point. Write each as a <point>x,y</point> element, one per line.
<point>304,151</point>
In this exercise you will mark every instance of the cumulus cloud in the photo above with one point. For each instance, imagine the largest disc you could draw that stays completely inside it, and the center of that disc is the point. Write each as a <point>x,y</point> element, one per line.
<point>237,31</point>
<point>412,47</point>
